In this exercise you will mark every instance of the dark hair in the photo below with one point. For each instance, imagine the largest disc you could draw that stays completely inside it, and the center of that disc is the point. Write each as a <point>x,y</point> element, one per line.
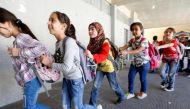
<point>137,24</point>
<point>155,38</point>
<point>7,16</point>
<point>63,18</point>
<point>170,28</point>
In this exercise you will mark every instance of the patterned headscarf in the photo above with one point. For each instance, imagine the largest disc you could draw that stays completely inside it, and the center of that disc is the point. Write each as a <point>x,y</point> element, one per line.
<point>95,44</point>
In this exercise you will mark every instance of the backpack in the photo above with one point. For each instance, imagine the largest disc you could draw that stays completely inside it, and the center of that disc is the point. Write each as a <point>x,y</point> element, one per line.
<point>87,66</point>
<point>44,74</point>
<point>153,54</point>
<point>48,75</point>
<point>117,60</point>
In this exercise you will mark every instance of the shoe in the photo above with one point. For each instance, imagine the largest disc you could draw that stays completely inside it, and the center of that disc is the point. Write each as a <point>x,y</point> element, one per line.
<point>163,85</point>
<point>141,95</point>
<point>129,95</point>
<point>99,106</point>
<point>119,100</point>
<point>188,76</point>
<point>169,89</point>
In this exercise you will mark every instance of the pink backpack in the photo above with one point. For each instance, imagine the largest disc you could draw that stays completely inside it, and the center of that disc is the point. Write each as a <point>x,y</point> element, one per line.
<point>153,54</point>
<point>48,75</point>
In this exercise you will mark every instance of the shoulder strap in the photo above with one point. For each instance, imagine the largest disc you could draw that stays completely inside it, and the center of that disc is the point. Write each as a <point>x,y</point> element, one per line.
<point>32,66</point>
<point>63,45</point>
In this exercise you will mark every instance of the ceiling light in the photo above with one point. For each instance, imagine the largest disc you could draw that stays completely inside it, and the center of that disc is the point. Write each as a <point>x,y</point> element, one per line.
<point>153,6</point>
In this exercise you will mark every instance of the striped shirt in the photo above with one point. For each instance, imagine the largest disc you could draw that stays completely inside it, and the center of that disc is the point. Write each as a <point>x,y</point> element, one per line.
<point>30,49</point>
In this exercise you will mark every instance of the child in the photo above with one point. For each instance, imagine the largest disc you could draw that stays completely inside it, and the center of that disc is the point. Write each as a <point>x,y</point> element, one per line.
<point>140,63</point>
<point>67,60</point>
<point>26,49</point>
<point>170,59</point>
<point>100,52</point>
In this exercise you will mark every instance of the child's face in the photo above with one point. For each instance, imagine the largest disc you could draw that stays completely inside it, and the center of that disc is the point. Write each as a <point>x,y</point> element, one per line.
<point>55,26</point>
<point>168,34</point>
<point>92,32</point>
<point>5,29</point>
<point>183,39</point>
<point>136,31</point>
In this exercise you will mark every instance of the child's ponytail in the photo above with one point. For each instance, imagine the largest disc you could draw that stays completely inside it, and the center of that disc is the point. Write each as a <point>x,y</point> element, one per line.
<point>7,16</point>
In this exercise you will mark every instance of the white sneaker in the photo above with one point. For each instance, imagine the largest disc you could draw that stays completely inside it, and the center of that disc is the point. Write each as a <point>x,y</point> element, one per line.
<point>99,106</point>
<point>163,85</point>
<point>130,95</point>
<point>141,95</point>
<point>169,89</point>
<point>188,76</point>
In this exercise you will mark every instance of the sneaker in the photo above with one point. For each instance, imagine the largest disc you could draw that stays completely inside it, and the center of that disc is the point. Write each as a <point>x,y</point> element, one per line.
<point>188,76</point>
<point>120,100</point>
<point>163,85</point>
<point>141,95</point>
<point>129,95</point>
<point>99,106</point>
<point>169,89</point>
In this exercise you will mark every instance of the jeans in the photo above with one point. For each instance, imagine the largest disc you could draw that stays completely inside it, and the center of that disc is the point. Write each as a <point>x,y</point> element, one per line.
<point>168,71</point>
<point>112,79</point>
<point>143,70</point>
<point>72,90</point>
<point>31,89</point>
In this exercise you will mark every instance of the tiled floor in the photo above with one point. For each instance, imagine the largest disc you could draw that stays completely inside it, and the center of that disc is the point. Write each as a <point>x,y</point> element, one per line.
<point>157,98</point>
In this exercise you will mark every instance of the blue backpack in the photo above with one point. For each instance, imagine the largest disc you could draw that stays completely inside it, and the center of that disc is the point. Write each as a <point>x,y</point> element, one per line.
<point>87,65</point>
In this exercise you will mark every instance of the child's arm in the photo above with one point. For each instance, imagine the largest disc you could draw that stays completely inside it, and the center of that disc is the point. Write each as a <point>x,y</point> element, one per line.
<point>179,52</point>
<point>165,46</point>
<point>138,50</point>
<point>31,48</point>
<point>103,54</point>
<point>124,47</point>
<point>186,48</point>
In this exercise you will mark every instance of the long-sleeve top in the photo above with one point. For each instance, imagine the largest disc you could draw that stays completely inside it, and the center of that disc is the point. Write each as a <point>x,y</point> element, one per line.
<point>71,60</point>
<point>29,50</point>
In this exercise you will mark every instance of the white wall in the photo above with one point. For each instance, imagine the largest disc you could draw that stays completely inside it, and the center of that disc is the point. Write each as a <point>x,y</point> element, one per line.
<point>36,16</point>
<point>35,13</point>
<point>120,39</point>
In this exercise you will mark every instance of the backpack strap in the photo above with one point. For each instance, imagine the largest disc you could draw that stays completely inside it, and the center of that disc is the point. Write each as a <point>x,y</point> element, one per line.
<point>32,66</point>
<point>63,45</point>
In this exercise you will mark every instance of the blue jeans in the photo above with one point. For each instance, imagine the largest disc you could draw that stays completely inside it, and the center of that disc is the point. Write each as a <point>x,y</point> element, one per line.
<point>72,90</point>
<point>168,71</point>
<point>143,70</point>
<point>31,89</point>
<point>112,79</point>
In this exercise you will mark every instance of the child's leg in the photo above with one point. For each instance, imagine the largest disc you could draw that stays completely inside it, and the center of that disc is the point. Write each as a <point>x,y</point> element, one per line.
<point>77,90</point>
<point>172,71</point>
<point>31,95</point>
<point>112,79</point>
<point>164,71</point>
<point>96,87</point>
<point>66,96</point>
<point>143,76</point>
<point>131,78</point>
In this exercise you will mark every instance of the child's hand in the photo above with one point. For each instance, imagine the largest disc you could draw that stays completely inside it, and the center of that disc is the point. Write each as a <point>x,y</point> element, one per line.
<point>157,47</point>
<point>13,51</point>
<point>89,54</point>
<point>21,83</point>
<point>46,61</point>
<point>123,52</point>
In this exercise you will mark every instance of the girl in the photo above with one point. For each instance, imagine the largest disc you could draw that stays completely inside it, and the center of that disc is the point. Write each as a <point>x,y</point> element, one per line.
<point>100,51</point>
<point>140,62</point>
<point>26,49</point>
<point>169,59</point>
<point>67,60</point>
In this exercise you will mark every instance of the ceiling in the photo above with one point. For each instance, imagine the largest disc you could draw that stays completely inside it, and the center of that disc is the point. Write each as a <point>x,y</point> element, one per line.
<point>159,13</point>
